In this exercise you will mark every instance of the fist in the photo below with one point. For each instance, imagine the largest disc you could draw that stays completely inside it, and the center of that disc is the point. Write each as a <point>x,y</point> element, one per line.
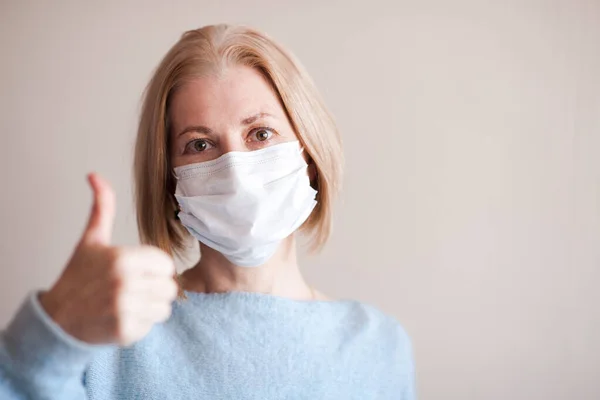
<point>110,294</point>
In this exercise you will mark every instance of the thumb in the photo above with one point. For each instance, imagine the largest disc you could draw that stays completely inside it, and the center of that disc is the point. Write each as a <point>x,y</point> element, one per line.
<point>102,218</point>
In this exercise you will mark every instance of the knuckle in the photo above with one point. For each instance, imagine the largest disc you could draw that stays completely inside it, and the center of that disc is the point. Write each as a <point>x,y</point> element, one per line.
<point>114,255</point>
<point>115,308</point>
<point>119,260</point>
<point>169,262</point>
<point>163,259</point>
<point>172,290</point>
<point>116,283</point>
<point>124,330</point>
<point>116,260</point>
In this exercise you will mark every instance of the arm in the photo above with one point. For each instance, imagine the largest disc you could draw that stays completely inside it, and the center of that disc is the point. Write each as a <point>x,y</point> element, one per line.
<point>38,360</point>
<point>106,295</point>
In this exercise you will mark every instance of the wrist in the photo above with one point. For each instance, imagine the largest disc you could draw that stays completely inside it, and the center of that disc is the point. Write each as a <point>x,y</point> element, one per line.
<point>47,303</point>
<point>52,306</point>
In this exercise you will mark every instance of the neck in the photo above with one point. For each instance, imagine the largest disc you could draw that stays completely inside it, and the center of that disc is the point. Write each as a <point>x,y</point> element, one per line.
<point>280,276</point>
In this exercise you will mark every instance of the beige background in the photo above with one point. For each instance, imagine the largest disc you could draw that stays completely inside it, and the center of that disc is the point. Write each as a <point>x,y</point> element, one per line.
<point>471,209</point>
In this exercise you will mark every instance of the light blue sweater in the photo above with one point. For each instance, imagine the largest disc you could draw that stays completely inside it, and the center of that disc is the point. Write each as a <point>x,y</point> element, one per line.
<point>217,346</point>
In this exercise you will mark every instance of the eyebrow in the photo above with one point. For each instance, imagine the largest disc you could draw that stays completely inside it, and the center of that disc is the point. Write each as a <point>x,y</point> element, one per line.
<point>203,129</point>
<point>253,118</point>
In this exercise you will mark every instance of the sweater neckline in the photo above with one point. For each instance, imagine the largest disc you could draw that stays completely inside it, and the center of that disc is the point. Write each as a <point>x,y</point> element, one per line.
<point>260,298</point>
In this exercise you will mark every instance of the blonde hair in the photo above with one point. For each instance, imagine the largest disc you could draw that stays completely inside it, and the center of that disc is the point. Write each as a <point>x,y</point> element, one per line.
<point>210,49</point>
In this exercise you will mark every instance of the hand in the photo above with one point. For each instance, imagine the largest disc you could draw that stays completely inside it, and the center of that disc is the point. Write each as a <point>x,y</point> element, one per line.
<point>109,294</point>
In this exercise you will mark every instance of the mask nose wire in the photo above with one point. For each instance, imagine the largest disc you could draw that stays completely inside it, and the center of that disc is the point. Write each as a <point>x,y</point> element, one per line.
<point>174,174</point>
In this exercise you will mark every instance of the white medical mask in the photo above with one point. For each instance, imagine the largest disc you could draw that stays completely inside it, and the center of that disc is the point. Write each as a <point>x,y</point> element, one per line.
<point>243,204</point>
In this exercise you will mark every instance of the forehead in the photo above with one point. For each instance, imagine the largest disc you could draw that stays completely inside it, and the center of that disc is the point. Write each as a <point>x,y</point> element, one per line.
<point>235,93</point>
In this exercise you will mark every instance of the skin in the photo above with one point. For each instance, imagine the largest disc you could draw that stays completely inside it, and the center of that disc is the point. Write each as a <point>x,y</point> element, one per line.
<point>106,293</point>
<point>115,294</point>
<point>213,115</point>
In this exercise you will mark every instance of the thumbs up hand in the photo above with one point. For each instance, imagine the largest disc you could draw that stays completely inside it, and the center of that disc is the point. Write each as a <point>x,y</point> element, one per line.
<point>110,294</point>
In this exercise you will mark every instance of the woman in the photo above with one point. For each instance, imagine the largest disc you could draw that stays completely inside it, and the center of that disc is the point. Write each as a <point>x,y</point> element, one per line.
<point>235,149</point>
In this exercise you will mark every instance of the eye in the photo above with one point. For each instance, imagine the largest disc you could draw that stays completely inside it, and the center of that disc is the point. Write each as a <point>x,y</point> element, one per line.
<point>261,134</point>
<point>197,146</point>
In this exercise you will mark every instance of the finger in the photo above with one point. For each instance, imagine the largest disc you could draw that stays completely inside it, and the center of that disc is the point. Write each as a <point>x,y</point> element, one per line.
<point>131,330</point>
<point>156,312</point>
<point>146,260</point>
<point>136,308</point>
<point>102,217</point>
<point>152,288</point>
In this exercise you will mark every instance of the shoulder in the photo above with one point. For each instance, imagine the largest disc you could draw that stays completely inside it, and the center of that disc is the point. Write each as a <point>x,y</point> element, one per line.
<point>374,325</point>
<point>361,313</point>
<point>380,341</point>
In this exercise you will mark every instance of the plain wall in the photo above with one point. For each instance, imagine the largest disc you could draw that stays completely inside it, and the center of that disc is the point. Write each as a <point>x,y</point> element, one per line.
<point>471,207</point>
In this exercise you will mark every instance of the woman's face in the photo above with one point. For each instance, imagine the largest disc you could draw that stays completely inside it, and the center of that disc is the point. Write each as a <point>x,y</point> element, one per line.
<point>238,111</point>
